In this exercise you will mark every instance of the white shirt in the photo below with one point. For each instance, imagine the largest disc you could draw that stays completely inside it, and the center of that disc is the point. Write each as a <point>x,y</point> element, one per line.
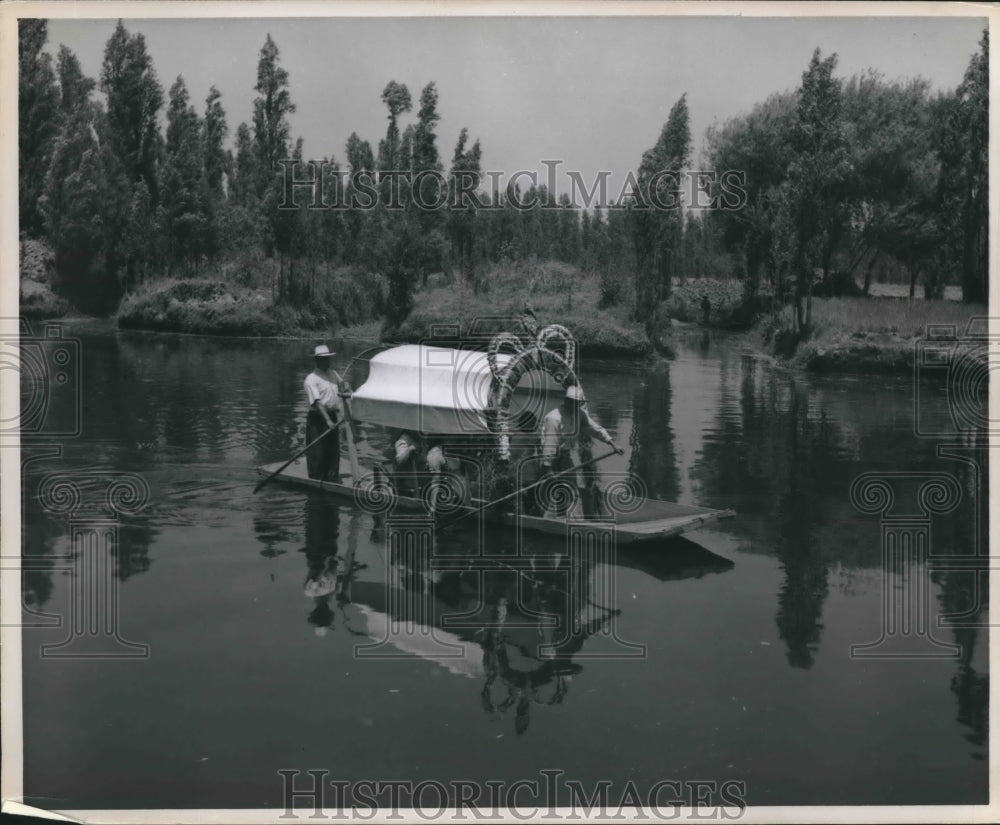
<point>555,438</point>
<point>322,389</point>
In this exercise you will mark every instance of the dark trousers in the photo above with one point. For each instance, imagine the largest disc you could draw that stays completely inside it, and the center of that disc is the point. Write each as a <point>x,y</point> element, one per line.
<point>323,459</point>
<point>591,491</point>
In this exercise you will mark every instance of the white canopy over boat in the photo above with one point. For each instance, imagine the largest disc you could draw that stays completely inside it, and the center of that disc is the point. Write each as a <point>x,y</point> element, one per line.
<point>443,391</point>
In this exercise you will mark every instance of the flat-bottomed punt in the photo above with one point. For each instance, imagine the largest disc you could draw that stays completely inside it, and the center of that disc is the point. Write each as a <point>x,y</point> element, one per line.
<point>458,394</point>
<point>652,520</point>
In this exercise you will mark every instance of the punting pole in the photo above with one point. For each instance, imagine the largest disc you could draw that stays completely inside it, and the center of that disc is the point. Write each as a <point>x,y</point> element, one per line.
<point>352,447</point>
<point>541,481</point>
<point>316,440</point>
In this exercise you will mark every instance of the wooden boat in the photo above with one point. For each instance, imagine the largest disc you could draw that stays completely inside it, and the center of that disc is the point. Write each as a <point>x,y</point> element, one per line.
<point>450,394</point>
<point>652,520</point>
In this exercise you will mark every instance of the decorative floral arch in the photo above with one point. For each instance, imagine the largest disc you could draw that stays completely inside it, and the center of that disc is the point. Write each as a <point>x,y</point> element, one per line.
<point>538,354</point>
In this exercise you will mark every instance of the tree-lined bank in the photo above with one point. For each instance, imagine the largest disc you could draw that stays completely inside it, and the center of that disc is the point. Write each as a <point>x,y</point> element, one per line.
<point>847,183</point>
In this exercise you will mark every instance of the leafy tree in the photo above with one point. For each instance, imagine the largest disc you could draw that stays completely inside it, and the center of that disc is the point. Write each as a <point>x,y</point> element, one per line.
<point>357,222</point>
<point>217,168</point>
<point>331,221</point>
<point>243,186</point>
<point>425,153</point>
<point>287,226</point>
<point>38,120</point>
<point>85,203</point>
<point>974,107</point>
<point>426,167</point>
<point>271,131</point>
<point>271,109</point>
<point>134,99</point>
<point>74,86</point>
<point>142,240</point>
<point>359,154</point>
<point>891,176</point>
<point>569,230</point>
<point>655,212</point>
<point>463,182</point>
<point>816,178</point>
<point>396,97</point>
<point>755,145</point>
<point>397,263</point>
<point>215,131</point>
<point>86,197</point>
<point>185,188</point>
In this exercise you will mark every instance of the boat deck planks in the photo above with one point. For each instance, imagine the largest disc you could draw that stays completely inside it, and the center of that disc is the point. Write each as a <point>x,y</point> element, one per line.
<point>653,519</point>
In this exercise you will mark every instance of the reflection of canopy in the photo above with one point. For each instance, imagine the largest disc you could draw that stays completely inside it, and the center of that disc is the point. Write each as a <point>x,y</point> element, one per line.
<point>442,391</point>
<point>431,644</point>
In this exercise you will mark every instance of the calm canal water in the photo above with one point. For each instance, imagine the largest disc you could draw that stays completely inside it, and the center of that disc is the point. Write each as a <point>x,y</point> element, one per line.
<point>747,673</point>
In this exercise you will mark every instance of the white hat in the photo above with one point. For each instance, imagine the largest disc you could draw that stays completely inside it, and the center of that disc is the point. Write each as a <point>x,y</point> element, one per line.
<point>322,350</point>
<point>574,392</point>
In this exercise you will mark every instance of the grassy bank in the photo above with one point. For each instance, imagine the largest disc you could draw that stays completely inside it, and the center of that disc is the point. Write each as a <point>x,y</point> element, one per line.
<point>864,335</point>
<point>205,307</point>
<point>238,298</point>
<point>861,335</point>
<point>557,293</point>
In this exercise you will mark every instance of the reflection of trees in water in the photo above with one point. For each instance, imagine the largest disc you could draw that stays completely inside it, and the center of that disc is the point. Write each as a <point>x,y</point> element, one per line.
<point>800,601</point>
<point>39,531</point>
<point>653,456</point>
<point>42,529</point>
<point>773,461</point>
<point>135,535</point>
<point>203,397</point>
<point>151,402</point>
<point>964,593</point>
<point>155,401</point>
<point>778,457</point>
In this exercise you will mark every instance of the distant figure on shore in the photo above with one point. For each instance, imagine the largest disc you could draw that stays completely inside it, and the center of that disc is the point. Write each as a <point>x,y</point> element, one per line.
<point>322,393</point>
<point>706,309</point>
<point>568,429</point>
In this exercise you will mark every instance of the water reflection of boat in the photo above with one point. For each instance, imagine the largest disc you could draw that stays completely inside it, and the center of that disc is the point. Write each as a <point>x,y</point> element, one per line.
<point>451,394</point>
<point>681,559</point>
<point>517,624</point>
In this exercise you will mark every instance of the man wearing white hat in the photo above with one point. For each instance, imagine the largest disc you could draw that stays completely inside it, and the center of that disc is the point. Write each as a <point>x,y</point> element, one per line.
<point>322,393</point>
<point>570,428</point>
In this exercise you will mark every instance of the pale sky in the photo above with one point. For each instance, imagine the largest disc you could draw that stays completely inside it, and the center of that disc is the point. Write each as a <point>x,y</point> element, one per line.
<point>593,92</point>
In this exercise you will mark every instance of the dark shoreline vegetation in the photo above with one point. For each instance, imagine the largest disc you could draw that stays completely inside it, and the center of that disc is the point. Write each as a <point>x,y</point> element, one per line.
<point>868,335</point>
<point>850,189</point>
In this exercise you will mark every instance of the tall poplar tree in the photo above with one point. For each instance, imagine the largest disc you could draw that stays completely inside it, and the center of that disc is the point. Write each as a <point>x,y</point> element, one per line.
<point>134,100</point>
<point>271,131</point>
<point>185,189</point>
<point>656,211</point>
<point>38,120</point>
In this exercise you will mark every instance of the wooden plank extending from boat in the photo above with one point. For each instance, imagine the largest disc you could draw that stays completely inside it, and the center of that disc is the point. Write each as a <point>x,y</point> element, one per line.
<point>652,520</point>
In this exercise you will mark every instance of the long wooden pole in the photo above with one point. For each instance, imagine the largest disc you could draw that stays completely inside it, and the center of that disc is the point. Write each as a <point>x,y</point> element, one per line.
<point>352,447</point>
<point>300,452</point>
<point>345,401</point>
<point>548,477</point>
